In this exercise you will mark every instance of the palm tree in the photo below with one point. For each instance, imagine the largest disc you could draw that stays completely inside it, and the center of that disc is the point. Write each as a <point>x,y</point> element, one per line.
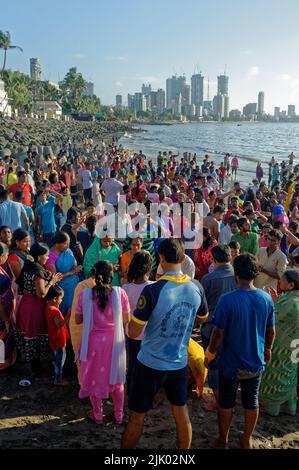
<point>6,44</point>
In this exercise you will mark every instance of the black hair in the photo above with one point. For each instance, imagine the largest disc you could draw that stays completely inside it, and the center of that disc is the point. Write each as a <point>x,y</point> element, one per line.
<point>90,204</point>
<point>19,195</point>
<point>18,235</point>
<point>209,239</point>
<point>54,291</point>
<point>246,266</point>
<point>103,273</point>
<point>38,249</point>
<point>52,177</point>
<point>219,209</point>
<point>71,213</point>
<point>4,227</point>
<point>232,219</point>
<point>112,174</point>
<point>3,193</point>
<point>172,249</point>
<point>276,234</point>
<point>139,266</point>
<point>293,225</point>
<point>221,253</point>
<point>277,224</point>
<point>60,237</point>
<point>241,221</point>
<point>234,245</point>
<point>292,275</point>
<point>91,224</point>
<point>248,212</point>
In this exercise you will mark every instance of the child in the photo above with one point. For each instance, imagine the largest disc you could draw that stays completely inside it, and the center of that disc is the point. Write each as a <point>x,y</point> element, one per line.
<point>57,330</point>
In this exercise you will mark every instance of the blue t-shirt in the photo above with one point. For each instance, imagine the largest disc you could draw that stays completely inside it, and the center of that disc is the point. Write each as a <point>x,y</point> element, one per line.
<point>94,175</point>
<point>244,316</point>
<point>169,309</point>
<point>46,213</point>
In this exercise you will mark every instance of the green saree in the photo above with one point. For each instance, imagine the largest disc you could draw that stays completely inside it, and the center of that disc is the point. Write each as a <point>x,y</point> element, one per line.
<point>278,391</point>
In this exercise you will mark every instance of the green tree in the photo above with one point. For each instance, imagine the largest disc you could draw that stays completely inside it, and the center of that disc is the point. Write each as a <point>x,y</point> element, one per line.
<point>73,87</point>
<point>18,88</point>
<point>5,44</point>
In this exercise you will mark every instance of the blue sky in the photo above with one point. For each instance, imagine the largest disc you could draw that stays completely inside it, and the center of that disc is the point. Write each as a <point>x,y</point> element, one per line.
<point>119,44</point>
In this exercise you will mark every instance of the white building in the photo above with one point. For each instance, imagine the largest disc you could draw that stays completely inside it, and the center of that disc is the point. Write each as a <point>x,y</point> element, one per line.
<point>35,70</point>
<point>5,108</point>
<point>48,109</point>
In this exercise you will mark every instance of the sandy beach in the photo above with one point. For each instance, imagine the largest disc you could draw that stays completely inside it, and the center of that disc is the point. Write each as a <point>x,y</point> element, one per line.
<point>43,416</point>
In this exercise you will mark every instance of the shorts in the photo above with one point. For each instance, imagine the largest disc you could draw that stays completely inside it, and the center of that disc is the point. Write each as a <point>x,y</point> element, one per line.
<point>146,382</point>
<point>249,392</point>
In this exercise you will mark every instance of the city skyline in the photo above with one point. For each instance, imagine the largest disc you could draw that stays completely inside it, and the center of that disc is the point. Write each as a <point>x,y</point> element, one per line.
<point>242,36</point>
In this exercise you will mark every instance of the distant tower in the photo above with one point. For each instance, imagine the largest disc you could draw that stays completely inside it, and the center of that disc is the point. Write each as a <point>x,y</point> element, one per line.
<point>119,101</point>
<point>35,70</point>
<point>197,89</point>
<point>261,103</point>
<point>222,85</point>
<point>208,97</point>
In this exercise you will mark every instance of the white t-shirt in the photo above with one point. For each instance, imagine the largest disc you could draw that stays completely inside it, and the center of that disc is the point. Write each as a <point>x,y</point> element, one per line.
<point>187,265</point>
<point>86,179</point>
<point>112,188</point>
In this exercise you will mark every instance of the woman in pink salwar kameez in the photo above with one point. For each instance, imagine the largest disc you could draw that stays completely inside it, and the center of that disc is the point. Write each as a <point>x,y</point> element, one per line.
<point>103,310</point>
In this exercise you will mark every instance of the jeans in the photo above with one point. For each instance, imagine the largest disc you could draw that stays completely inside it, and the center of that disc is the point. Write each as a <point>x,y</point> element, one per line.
<point>59,360</point>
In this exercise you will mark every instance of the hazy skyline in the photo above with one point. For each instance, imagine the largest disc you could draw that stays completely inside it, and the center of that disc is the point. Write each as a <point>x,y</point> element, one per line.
<point>121,44</point>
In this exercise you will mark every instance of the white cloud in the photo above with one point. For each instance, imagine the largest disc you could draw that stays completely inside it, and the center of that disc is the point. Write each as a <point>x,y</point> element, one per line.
<point>284,77</point>
<point>79,55</point>
<point>253,72</point>
<point>118,58</point>
<point>119,84</point>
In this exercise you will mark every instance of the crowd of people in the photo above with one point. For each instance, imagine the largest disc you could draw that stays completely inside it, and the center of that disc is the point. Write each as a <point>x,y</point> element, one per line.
<point>114,297</point>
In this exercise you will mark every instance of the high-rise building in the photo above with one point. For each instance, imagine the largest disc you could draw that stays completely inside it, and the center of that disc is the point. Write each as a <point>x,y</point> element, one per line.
<point>131,101</point>
<point>208,107</point>
<point>146,89</point>
<point>174,86</point>
<point>178,105</point>
<point>160,101</point>
<point>119,101</point>
<point>219,106</point>
<point>277,112</point>
<point>197,89</point>
<point>222,85</point>
<point>186,95</point>
<point>235,114</point>
<point>140,102</point>
<point>261,103</point>
<point>250,109</point>
<point>291,110</point>
<point>153,97</point>
<point>226,107</point>
<point>89,89</point>
<point>190,110</point>
<point>35,70</point>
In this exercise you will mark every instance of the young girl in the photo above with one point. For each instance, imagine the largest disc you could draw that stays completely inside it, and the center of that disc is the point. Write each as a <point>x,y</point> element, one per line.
<point>138,277</point>
<point>58,332</point>
<point>103,310</point>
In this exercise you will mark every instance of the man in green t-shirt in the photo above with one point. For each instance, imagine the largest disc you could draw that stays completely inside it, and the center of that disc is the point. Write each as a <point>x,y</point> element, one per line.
<point>249,241</point>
